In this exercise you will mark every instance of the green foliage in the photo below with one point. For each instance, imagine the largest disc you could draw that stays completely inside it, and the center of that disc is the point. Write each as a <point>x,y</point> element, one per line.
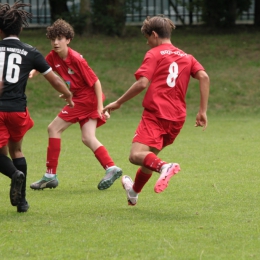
<point>77,19</point>
<point>108,17</point>
<point>222,13</point>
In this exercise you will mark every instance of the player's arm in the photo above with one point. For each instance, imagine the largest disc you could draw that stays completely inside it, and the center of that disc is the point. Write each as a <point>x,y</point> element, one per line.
<point>98,91</point>
<point>58,84</point>
<point>133,91</point>
<point>33,73</point>
<point>204,82</point>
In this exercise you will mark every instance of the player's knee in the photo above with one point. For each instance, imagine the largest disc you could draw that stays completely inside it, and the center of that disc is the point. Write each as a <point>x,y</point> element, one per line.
<point>49,129</point>
<point>132,158</point>
<point>85,140</point>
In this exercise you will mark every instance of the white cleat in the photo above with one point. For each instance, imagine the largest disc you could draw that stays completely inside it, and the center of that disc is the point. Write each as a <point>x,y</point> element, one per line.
<point>127,185</point>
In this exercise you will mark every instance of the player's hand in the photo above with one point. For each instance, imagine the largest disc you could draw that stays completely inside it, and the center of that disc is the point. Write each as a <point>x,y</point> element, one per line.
<point>111,107</point>
<point>67,98</point>
<point>106,115</point>
<point>201,120</point>
<point>103,115</point>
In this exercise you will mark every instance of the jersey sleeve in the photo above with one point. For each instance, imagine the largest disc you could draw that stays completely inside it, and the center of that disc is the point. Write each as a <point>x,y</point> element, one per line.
<point>147,67</point>
<point>195,67</point>
<point>87,73</point>
<point>41,64</point>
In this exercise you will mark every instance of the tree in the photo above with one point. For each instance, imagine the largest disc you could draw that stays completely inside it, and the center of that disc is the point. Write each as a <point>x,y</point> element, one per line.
<point>108,16</point>
<point>85,11</point>
<point>257,13</point>
<point>58,8</point>
<point>76,15</point>
<point>222,13</point>
<point>174,6</point>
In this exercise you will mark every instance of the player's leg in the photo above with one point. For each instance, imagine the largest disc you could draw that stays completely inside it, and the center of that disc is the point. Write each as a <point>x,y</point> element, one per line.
<point>147,157</point>
<point>138,154</point>
<point>6,166</point>
<point>23,122</point>
<point>150,137</point>
<point>172,128</point>
<point>50,180</point>
<point>17,178</point>
<point>17,123</point>
<point>113,172</point>
<point>19,161</point>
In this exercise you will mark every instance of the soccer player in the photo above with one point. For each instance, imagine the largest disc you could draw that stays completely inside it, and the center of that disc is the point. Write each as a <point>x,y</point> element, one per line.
<point>17,59</point>
<point>88,110</point>
<point>165,73</point>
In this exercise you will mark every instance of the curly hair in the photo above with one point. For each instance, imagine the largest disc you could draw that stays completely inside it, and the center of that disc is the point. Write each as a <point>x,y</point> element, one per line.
<point>12,19</point>
<point>163,26</point>
<point>58,29</point>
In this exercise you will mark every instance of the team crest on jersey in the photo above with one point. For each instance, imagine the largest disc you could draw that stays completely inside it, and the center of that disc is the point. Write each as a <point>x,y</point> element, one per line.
<point>70,71</point>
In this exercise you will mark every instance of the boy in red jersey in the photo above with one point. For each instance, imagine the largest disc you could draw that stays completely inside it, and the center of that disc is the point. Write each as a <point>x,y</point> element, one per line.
<point>17,59</point>
<point>88,110</point>
<point>166,72</point>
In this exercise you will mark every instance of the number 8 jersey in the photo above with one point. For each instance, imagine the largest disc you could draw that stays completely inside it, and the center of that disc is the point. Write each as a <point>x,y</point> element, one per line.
<point>168,69</point>
<point>17,59</point>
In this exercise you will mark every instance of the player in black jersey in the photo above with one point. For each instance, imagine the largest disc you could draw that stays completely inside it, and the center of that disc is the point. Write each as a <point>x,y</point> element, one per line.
<point>17,59</point>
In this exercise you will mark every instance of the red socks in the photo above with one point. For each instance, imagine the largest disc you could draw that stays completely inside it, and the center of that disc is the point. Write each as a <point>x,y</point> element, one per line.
<point>152,162</point>
<point>103,157</point>
<point>140,180</point>
<point>53,153</point>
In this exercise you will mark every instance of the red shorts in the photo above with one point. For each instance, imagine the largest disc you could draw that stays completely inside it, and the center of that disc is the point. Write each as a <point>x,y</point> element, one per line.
<point>156,132</point>
<point>80,114</point>
<point>14,125</point>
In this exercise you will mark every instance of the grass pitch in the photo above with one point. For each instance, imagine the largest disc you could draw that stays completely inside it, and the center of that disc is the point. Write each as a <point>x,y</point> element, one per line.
<point>209,211</point>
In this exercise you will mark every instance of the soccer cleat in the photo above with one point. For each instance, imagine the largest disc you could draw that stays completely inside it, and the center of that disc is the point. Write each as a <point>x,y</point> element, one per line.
<point>22,206</point>
<point>127,185</point>
<point>167,171</point>
<point>45,182</point>
<point>112,173</point>
<point>16,187</point>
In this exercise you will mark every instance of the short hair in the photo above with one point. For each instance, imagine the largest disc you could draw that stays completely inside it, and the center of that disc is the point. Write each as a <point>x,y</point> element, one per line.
<point>163,26</point>
<point>60,28</point>
<point>12,19</point>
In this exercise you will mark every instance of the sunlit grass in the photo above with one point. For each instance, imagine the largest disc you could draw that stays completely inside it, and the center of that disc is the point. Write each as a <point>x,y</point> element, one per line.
<point>209,211</point>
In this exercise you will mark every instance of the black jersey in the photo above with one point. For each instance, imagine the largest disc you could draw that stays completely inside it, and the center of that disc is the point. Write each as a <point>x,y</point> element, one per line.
<point>17,59</point>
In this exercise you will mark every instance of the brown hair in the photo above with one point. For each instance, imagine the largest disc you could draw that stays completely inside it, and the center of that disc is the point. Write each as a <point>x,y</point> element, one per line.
<point>12,19</point>
<point>163,26</point>
<point>60,28</point>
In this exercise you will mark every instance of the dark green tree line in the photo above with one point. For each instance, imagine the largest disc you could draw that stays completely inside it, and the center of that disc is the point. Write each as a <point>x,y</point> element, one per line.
<point>109,16</point>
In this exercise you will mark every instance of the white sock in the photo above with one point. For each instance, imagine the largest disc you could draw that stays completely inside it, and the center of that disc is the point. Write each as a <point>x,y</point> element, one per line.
<point>49,175</point>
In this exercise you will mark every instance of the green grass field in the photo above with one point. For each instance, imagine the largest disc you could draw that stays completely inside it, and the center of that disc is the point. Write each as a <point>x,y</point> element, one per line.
<point>210,209</point>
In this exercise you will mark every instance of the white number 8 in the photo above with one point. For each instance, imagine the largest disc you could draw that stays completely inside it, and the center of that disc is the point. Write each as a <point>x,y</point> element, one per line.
<point>173,75</point>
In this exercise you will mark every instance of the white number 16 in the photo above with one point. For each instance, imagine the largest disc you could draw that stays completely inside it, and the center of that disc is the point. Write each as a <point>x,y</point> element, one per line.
<point>13,70</point>
<point>173,74</point>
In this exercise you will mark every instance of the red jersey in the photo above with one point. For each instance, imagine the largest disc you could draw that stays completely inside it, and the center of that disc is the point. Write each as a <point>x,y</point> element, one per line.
<point>76,72</point>
<point>168,70</point>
